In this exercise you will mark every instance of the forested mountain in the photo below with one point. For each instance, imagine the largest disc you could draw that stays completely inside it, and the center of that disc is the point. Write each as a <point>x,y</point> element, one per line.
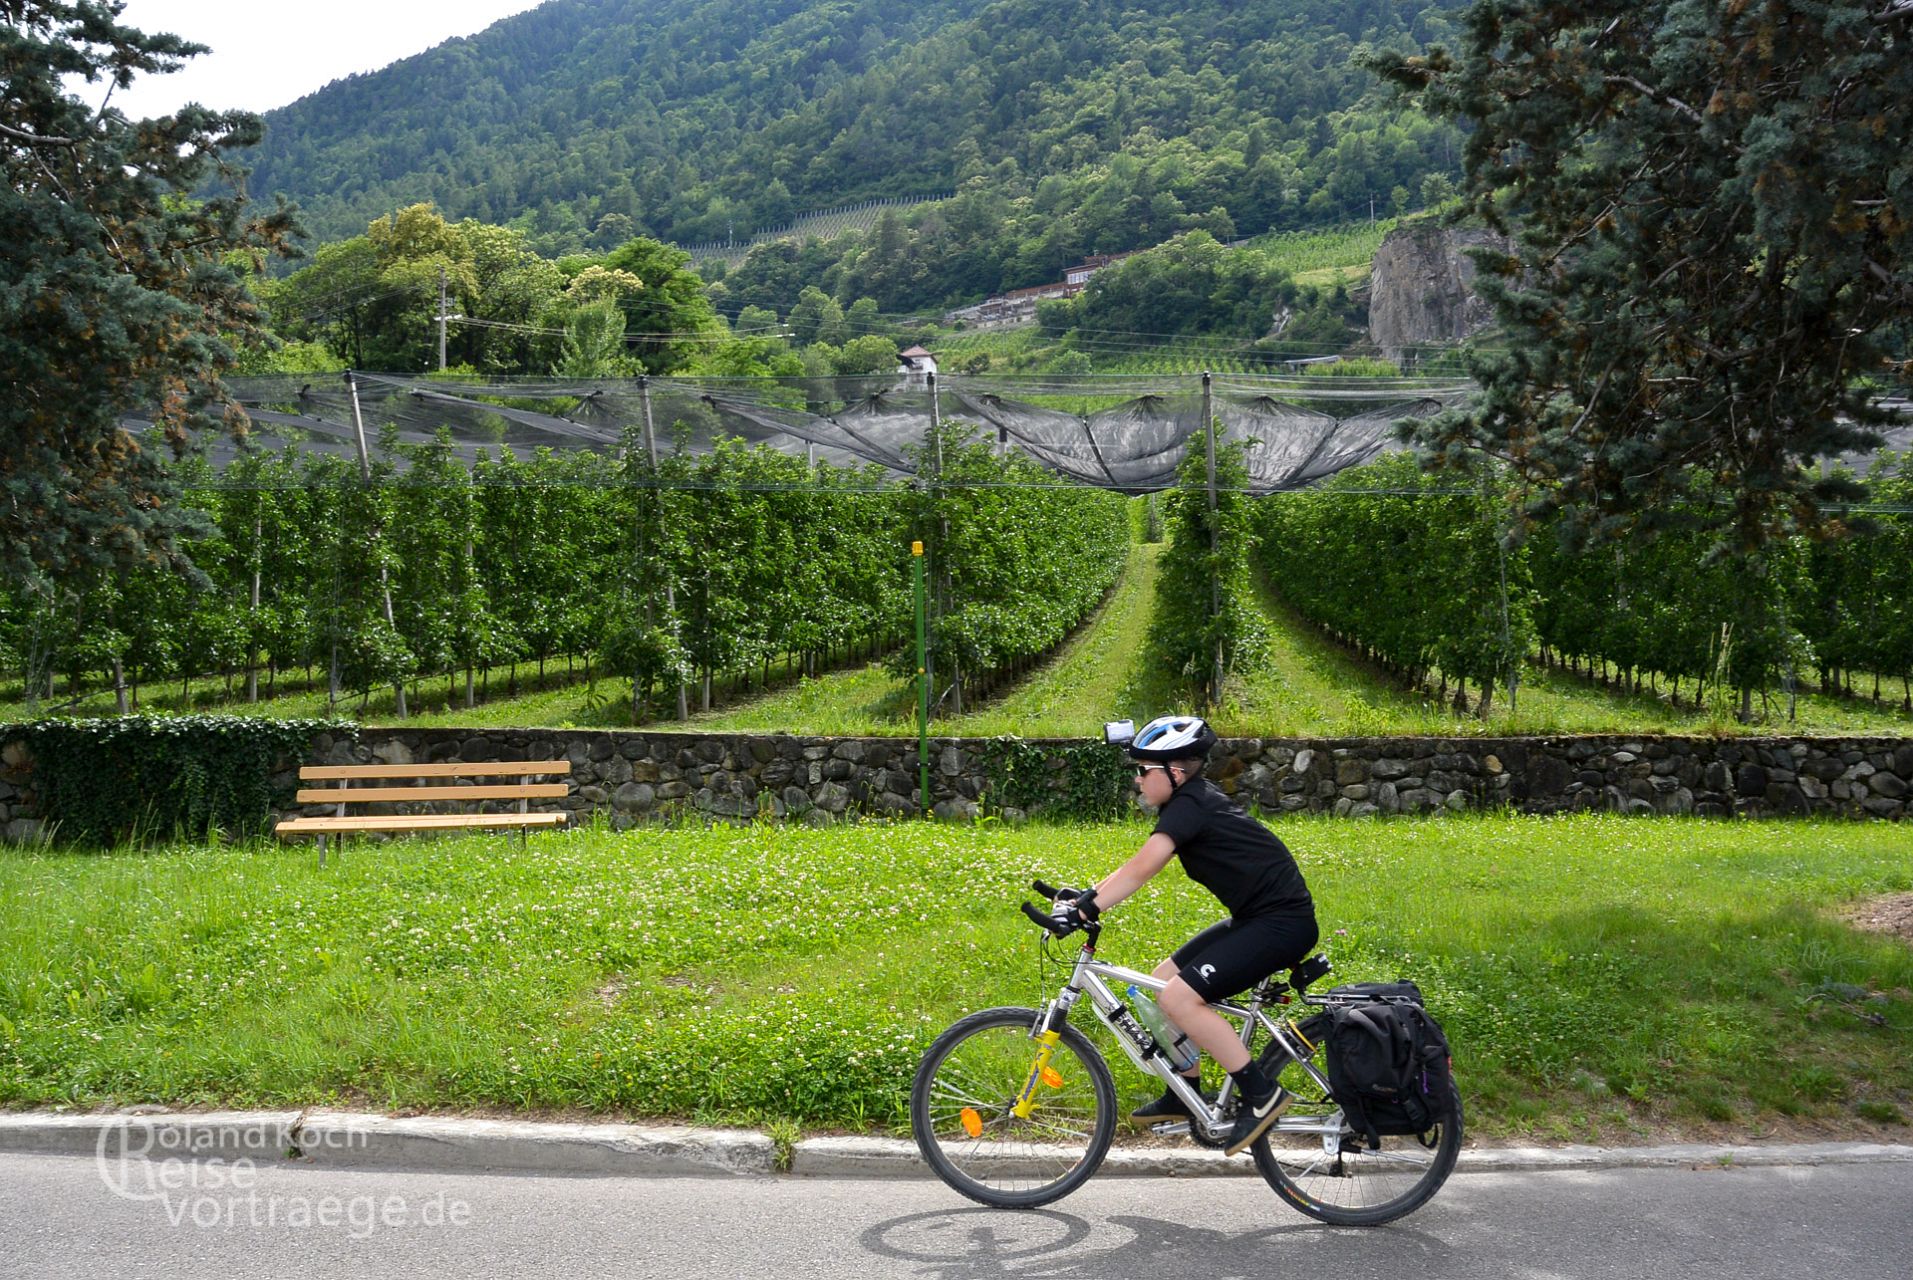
<point>587,121</point>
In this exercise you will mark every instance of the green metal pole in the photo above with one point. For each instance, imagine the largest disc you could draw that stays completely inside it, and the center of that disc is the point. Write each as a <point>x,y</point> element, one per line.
<point>923,682</point>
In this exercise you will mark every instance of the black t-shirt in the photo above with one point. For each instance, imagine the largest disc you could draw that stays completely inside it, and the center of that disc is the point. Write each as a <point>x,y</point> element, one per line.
<point>1232,855</point>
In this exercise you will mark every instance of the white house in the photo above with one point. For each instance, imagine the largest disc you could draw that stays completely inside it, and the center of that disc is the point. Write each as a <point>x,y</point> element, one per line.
<point>916,363</point>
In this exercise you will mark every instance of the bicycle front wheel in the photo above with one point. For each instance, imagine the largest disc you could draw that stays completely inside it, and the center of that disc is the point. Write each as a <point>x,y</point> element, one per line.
<point>1327,1171</point>
<point>965,1101</point>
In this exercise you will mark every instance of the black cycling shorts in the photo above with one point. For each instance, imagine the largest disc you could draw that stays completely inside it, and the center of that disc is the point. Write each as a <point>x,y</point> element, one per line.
<point>1233,955</point>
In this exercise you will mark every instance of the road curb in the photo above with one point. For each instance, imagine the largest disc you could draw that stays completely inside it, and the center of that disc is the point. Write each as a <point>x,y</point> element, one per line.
<point>353,1140</point>
<point>899,1158</point>
<point>349,1140</point>
<point>894,1158</point>
<point>1695,1155</point>
<point>258,1135</point>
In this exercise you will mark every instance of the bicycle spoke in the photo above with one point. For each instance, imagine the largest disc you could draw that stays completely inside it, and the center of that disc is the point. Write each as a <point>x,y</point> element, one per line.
<point>1407,1158</point>
<point>1050,1126</point>
<point>944,1091</point>
<point>1355,1186</point>
<point>964,1106</point>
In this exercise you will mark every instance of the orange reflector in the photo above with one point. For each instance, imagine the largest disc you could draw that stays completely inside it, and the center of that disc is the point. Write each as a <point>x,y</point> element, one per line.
<point>1052,1077</point>
<point>972,1122</point>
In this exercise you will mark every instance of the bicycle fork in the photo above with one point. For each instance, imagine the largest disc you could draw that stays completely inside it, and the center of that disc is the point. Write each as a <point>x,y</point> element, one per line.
<point>1041,1072</point>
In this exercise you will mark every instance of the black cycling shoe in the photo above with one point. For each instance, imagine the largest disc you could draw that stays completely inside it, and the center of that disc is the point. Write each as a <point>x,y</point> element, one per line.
<point>1167,1107</point>
<point>1254,1119</point>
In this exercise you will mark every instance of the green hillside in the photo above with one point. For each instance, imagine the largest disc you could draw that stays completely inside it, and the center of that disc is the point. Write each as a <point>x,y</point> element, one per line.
<point>1065,129</point>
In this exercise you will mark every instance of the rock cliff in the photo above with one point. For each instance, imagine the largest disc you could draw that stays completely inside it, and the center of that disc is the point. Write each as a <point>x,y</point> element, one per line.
<point>1422,288</point>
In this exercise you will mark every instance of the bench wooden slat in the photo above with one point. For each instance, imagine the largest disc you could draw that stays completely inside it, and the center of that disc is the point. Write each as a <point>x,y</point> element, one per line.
<point>417,822</point>
<point>486,769</point>
<point>368,795</point>
<point>347,794</point>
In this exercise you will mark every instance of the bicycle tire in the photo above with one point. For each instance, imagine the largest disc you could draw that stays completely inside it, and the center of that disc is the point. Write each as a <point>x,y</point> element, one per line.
<point>979,1067</point>
<point>1350,1185</point>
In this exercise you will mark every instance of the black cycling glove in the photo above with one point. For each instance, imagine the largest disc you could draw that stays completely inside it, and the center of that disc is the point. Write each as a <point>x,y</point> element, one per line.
<point>1075,908</point>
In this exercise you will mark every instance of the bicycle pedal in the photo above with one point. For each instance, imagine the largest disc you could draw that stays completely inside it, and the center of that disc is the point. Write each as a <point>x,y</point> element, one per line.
<point>1171,1129</point>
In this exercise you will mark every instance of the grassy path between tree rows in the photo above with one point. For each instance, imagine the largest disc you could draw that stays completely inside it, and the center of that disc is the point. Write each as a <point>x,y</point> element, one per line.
<point>1096,676</point>
<point>1603,979</point>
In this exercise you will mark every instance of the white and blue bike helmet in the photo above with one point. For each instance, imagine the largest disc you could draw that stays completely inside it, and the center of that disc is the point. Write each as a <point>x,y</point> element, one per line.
<point>1168,738</point>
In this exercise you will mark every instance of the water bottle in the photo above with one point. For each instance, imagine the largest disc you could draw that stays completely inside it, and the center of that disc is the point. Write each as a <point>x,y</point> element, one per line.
<point>1174,1045</point>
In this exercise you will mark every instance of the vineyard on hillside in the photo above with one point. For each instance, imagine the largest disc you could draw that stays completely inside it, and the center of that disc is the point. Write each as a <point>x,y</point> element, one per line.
<point>824,225</point>
<point>1350,247</point>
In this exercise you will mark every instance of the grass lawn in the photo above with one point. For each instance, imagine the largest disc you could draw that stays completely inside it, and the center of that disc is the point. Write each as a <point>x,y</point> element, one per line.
<point>1602,978</point>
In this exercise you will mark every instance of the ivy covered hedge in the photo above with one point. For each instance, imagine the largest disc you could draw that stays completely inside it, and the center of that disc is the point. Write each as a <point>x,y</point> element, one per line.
<point>108,781</point>
<point>1087,782</point>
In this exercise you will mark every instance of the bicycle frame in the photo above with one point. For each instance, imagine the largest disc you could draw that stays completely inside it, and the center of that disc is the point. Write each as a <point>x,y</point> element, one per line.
<point>1088,977</point>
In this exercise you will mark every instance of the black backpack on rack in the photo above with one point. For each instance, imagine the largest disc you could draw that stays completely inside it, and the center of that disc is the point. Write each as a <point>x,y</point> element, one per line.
<point>1388,1062</point>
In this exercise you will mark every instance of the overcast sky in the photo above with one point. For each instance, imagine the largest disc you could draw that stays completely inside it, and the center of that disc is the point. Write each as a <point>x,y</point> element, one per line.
<point>266,53</point>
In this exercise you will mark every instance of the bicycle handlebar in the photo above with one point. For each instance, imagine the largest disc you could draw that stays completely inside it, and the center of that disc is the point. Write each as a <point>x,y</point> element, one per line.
<point>1047,921</point>
<point>1051,920</point>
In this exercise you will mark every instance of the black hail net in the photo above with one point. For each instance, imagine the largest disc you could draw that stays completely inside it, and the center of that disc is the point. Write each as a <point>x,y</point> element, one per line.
<point>1126,434</point>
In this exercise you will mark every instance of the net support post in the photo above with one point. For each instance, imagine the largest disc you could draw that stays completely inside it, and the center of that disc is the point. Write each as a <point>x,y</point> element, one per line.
<point>923,681</point>
<point>670,588</point>
<point>1215,579</point>
<point>385,579</point>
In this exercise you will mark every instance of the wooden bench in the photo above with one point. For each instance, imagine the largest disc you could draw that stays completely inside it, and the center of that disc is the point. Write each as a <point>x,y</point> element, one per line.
<point>339,822</point>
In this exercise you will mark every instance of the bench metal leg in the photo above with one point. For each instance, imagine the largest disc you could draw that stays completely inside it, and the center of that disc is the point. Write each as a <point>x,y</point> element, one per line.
<point>321,851</point>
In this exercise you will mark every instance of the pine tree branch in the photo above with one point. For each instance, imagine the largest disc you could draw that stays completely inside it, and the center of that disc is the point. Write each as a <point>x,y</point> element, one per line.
<point>1655,95</point>
<point>37,140</point>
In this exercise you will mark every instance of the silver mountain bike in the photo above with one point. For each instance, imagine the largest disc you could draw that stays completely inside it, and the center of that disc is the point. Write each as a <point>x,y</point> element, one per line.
<point>1015,1108</point>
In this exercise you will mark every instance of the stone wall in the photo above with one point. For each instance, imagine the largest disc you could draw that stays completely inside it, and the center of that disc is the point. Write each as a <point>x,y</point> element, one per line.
<point>629,776</point>
<point>1846,777</point>
<point>18,819</point>
<point>632,776</point>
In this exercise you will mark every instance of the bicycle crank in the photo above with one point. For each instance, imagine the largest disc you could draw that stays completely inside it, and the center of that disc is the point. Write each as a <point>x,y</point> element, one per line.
<point>1198,1134</point>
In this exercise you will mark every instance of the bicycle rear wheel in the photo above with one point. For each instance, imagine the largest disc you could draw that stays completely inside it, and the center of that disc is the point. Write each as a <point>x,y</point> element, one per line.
<point>963,1110</point>
<point>1331,1175</point>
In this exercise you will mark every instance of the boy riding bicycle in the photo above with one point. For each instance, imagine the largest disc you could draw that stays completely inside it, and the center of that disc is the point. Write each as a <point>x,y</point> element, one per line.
<point>1271,922</point>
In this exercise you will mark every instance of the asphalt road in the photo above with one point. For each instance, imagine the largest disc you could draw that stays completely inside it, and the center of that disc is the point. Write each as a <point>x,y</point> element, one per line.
<point>64,1216</point>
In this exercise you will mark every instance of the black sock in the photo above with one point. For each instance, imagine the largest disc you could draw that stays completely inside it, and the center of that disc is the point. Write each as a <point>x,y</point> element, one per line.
<point>1255,1086</point>
<point>1193,1079</point>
